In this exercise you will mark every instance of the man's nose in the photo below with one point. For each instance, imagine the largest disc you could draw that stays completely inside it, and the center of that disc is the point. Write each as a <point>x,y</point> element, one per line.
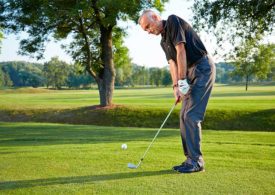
<point>149,31</point>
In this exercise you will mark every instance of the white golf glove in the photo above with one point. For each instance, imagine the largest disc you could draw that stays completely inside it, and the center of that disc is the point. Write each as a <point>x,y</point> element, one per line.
<point>183,86</point>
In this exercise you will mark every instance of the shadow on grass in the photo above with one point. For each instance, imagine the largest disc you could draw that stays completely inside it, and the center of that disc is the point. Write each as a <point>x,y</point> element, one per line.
<point>9,185</point>
<point>26,134</point>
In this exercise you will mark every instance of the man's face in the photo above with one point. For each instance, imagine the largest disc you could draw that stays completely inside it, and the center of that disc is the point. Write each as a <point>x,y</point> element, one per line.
<point>151,25</point>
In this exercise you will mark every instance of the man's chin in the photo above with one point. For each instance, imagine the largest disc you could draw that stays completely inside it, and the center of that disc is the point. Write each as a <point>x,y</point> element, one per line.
<point>156,33</point>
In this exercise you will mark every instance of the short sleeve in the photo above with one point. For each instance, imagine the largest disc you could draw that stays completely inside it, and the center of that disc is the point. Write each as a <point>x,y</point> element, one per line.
<point>176,31</point>
<point>165,49</point>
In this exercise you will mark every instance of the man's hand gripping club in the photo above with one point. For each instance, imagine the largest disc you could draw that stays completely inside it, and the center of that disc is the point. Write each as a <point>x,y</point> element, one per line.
<point>181,89</point>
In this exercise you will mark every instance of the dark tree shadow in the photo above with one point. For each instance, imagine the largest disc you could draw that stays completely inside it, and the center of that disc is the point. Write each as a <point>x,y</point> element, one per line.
<point>9,185</point>
<point>53,134</point>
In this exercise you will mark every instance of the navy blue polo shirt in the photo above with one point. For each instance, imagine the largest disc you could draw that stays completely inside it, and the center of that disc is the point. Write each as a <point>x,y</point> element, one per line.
<point>177,30</point>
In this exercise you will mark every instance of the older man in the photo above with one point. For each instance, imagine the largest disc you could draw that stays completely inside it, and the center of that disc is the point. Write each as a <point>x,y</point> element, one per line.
<point>193,76</point>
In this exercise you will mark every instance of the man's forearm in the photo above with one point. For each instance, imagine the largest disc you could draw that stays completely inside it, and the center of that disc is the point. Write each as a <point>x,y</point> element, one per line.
<point>173,71</point>
<point>181,61</point>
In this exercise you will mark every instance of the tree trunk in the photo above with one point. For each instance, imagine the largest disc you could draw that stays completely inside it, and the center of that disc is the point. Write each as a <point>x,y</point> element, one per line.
<point>106,81</point>
<point>246,83</point>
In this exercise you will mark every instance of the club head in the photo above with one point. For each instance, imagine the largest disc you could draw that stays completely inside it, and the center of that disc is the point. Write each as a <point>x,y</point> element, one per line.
<point>131,166</point>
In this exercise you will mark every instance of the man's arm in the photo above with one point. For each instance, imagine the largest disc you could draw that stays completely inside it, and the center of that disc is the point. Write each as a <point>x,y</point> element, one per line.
<point>183,86</point>
<point>174,75</point>
<point>173,71</point>
<point>181,61</point>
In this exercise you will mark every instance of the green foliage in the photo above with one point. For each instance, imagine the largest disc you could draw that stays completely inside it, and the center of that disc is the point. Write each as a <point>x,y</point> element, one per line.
<point>140,75</point>
<point>5,80</point>
<point>56,73</point>
<point>1,78</point>
<point>78,79</point>
<point>166,77</point>
<point>253,59</point>
<point>122,60</point>
<point>1,37</point>
<point>271,75</point>
<point>155,76</point>
<point>23,74</point>
<point>20,74</point>
<point>91,24</point>
<point>150,76</point>
<point>29,79</point>
<point>234,20</point>
<point>264,59</point>
<point>223,71</point>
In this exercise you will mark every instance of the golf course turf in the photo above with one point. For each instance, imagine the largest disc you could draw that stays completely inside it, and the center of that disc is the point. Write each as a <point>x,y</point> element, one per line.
<point>81,159</point>
<point>60,142</point>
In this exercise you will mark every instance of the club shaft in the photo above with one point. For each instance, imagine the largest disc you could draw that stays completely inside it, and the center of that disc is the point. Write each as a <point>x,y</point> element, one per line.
<point>157,134</point>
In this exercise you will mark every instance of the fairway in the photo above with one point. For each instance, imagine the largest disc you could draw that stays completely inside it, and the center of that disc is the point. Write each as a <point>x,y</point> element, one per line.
<point>223,97</point>
<point>77,159</point>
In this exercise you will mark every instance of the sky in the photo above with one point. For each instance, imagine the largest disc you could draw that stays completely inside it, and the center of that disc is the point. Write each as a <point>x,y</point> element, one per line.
<point>144,48</point>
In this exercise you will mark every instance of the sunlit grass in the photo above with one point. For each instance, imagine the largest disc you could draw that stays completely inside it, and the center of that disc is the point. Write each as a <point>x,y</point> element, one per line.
<point>223,97</point>
<point>76,159</point>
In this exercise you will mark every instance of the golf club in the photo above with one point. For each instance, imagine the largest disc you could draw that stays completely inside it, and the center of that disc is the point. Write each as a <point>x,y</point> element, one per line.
<point>131,165</point>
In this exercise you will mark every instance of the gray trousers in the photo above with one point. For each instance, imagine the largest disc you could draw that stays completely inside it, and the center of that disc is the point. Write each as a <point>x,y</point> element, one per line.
<point>201,78</point>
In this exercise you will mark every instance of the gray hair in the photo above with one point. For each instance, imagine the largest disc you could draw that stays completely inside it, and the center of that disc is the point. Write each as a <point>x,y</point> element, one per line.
<point>148,13</point>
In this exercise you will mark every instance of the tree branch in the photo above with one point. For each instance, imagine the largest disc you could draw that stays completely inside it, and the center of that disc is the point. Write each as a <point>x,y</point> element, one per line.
<point>88,51</point>
<point>97,12</point>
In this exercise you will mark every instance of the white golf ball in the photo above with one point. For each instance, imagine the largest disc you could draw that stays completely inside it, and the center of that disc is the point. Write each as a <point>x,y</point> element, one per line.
<point>124,146</point>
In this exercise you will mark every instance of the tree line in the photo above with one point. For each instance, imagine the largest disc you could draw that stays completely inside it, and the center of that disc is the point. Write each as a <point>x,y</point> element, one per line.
<point>58,74</point>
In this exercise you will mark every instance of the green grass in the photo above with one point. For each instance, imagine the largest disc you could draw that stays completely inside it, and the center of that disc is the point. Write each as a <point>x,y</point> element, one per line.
<point>77,159</point>
<point>230,107</point>
<point>223,97</point>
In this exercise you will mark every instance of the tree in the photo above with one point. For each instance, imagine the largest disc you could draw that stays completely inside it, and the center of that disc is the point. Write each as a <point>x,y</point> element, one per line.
<point>1,78</point>
<point>91,23</point>
<point>27,78</point>
<point>140,75</point>
<point>77,78</point>
<point>1,37</point>
<point>122,61</point>
<point>155,76</point>
<point>253,59</point>
<point>22,74</point>
<point>166,77</point>
<point>271,75</point>
<point>56,73</point>
<point>5,80</point>
<point>234,19</point>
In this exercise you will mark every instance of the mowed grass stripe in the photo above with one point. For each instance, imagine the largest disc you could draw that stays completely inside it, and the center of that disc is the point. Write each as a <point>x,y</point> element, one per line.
<point>227,97</point>
<point>78,159</point>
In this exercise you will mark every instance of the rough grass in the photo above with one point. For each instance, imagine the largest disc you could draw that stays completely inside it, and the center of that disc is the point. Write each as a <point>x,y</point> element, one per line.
<point>77,159</point>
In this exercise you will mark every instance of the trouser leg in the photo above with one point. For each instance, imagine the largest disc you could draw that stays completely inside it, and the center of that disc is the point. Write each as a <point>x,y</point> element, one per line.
<point>194,107</point>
